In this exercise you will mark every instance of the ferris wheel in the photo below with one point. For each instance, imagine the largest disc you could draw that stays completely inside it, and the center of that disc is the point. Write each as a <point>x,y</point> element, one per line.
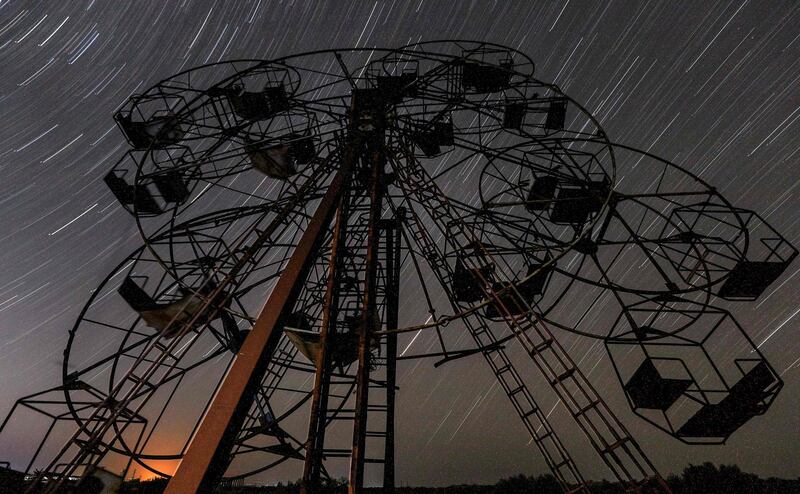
<point>288,207</point>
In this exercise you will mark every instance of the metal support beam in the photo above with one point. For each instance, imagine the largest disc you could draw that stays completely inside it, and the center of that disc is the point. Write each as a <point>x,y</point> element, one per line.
<point>365,329</point>
<point>208,454</point>
<point>319,396</point>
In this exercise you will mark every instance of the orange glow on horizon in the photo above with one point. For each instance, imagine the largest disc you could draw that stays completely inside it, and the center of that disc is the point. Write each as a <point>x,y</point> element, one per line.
<point>166,466</point>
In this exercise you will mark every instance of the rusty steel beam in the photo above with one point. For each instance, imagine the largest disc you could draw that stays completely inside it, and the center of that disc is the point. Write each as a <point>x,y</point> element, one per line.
<point>208,454</point>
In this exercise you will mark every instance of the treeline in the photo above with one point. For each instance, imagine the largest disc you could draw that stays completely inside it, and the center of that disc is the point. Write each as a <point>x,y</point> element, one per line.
<point>695,479</point>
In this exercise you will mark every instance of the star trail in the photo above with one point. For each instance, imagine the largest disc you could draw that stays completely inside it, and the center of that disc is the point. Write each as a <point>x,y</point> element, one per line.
<point>711,86</point>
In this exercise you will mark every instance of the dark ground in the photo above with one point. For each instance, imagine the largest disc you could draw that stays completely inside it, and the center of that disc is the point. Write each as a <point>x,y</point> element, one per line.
<point>695,479</point>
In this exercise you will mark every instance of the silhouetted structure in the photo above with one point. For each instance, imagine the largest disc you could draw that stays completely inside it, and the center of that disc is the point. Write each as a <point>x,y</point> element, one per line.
<point>346,173</point>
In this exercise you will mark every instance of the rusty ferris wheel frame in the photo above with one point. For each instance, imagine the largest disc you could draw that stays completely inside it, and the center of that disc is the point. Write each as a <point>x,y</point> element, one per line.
<point>331,183</point>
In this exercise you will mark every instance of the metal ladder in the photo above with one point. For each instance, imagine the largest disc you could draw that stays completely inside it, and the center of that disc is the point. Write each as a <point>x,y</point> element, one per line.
<point>606,433</point>
<point>141,379</point>
<point>534,419</point>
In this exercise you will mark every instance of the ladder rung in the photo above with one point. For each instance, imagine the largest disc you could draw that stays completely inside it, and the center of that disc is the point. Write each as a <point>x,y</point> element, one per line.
<point>542,346</point>
<point>138,380</point>
<point>375,434</point>
<point>516,390</point>
<point>336,453</point>
<point>502,369</point>
<point>479,332</point>
<point>611,447</point>
<point>561,377</point>
<point>160,347</point>
<point>587,408</point>
<point>561,464</point>
<point>374,460</point>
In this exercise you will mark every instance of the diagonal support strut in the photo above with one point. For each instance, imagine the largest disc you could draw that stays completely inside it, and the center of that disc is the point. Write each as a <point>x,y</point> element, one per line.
<point>206,458</point>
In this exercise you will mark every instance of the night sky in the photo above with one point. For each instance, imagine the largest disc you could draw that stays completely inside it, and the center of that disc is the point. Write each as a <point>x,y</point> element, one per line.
<point>712,86</point>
